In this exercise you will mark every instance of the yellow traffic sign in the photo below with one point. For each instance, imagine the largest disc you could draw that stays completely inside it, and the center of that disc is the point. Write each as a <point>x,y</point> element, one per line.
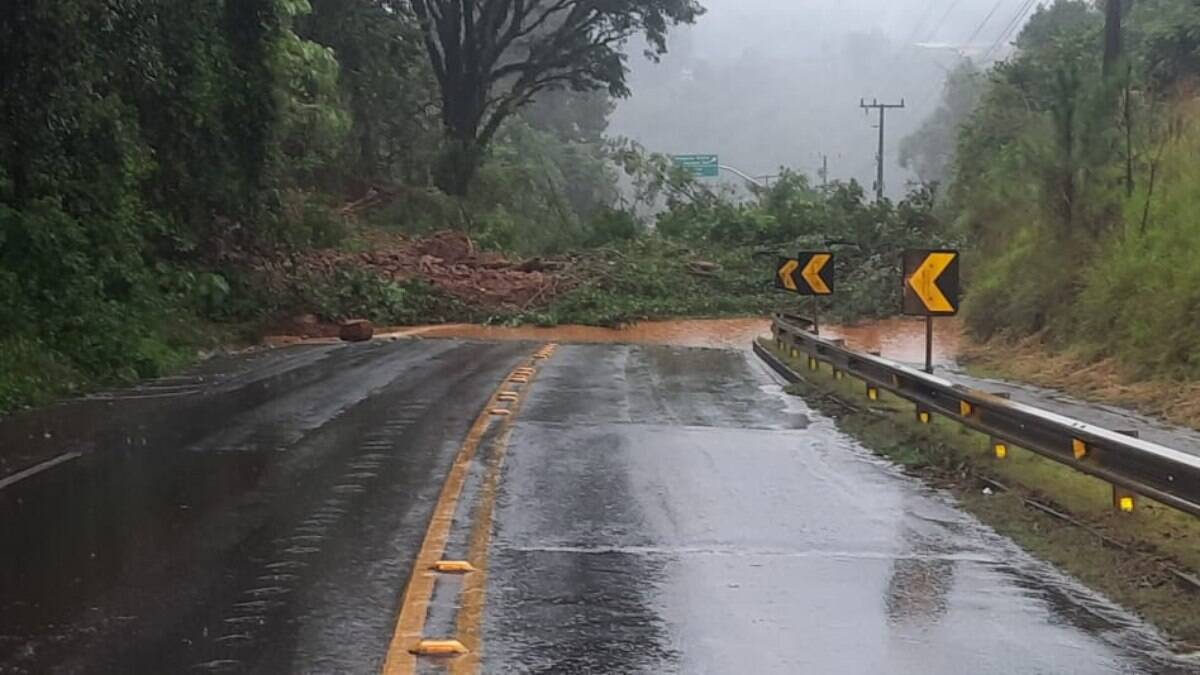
<point>811,273</point>
<point>785,274</point>
<point>814,271</point>
<point>931,283</point>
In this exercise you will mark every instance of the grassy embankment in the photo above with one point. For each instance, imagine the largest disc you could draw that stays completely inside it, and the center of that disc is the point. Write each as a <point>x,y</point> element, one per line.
<point>1082,375</point>
<point>1125,556</point>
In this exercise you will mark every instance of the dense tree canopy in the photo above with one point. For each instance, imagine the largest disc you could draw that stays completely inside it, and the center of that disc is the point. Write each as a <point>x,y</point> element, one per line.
<point>493,57</point>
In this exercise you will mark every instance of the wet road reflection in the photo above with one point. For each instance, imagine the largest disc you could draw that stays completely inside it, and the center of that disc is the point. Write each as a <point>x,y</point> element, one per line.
<point>669,510</point>
<point>661,509</point>
<point>267,527</point>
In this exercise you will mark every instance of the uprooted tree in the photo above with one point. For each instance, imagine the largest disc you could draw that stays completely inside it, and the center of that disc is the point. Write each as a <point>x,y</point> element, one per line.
<point>491,57</point>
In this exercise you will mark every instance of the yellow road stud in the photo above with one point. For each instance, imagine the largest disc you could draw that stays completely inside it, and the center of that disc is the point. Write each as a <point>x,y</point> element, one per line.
<point>453,567</point>
<point>439,648</point>
<point>1126,504</point>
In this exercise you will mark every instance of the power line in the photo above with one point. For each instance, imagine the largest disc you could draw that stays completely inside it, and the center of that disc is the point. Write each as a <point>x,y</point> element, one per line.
<point>983,24</point>
<point>916,31</point>
<point>941,22</point>
<point>1017,22</point>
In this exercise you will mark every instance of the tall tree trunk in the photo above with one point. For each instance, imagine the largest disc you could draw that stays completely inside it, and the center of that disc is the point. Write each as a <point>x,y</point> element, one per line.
<point>1112,35</point>
<point>458,166</point>
<point>462,116</point>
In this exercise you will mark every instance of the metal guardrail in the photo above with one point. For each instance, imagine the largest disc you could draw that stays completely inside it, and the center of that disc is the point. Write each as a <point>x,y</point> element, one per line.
<point>1129,464</point>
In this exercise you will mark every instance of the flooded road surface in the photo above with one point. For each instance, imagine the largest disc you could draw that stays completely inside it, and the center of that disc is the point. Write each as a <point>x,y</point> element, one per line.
<point>644,508</point>
<point>901,338</point>
<point>723,333</point>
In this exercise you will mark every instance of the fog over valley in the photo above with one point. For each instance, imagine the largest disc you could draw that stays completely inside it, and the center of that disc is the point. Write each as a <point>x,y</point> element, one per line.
<point>771,83</point>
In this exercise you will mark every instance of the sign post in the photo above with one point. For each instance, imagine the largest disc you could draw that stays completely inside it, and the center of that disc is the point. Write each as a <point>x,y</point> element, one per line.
<point>931,288</point>
<point>811,274</point>
<point>700,166</point>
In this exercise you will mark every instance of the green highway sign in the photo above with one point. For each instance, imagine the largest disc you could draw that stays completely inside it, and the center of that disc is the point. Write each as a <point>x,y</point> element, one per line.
<point>700,166</point>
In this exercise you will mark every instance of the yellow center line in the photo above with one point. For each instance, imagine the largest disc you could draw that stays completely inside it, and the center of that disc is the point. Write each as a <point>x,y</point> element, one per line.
<point>401,659</point>
<point>474,590</point>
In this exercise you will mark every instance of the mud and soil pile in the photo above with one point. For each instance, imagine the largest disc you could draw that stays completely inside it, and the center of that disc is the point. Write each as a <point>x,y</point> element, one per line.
<point>450,262</point>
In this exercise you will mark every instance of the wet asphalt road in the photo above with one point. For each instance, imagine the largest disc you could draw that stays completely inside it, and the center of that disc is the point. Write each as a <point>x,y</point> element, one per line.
<point>659,510</point>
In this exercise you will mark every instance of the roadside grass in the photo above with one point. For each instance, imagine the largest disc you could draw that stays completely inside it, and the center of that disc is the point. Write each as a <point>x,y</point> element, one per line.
<point>1125,556</point>
<point>1079,374</point>
<point>33,373</point>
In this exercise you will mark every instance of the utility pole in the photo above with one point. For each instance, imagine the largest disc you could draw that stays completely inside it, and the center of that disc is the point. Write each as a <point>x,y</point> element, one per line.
<point>882,108</point>
<point>824,171</point>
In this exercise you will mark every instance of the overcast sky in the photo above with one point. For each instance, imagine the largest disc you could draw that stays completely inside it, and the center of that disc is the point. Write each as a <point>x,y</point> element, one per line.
<point>770,83</point>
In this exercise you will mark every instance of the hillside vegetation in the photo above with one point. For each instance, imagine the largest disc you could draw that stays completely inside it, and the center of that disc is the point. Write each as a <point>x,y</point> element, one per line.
<point>176,176</point>
<point>1074,180</point>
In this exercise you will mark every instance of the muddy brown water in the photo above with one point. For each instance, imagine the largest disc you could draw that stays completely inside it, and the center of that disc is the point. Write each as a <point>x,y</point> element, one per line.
<point>900,339</point>
<point>721,333</point>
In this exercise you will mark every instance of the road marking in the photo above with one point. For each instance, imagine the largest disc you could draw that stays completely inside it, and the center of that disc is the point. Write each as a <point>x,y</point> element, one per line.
<point>440,648</point>
<point>454,567</point>
<point>407,640</point>
<point>474,590</point>
<point>38,468</point>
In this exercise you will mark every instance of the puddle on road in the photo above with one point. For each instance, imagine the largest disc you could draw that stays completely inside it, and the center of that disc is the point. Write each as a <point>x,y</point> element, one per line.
<point>722,333</point>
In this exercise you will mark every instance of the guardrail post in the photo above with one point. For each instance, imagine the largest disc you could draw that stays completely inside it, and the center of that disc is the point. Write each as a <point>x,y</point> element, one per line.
<point>813,363</point>
<point>872,392</point>
<point>1125,501</point>
<point>923,415</point>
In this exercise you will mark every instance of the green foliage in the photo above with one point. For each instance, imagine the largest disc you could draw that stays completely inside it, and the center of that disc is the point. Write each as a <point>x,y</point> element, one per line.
<point>930,151</point>
<point>354,293</point>
<point>1077,188</point>
<point>653,278</point>
<point>493,59</point>
<point>791,215</point>
<point>1141,298</point>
